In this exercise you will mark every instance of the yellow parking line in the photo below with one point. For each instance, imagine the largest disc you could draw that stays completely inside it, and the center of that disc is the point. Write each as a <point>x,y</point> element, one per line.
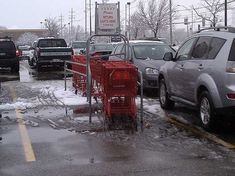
<point>28,149</point>
<point>200,132</point>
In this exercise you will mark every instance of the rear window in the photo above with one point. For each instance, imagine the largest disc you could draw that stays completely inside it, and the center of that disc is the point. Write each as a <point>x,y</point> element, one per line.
<point>6,45</point>
<point>232,52</point>
<point>215,46</point>
<point>101,47</point>
<point>79,45</point>
<point>52,43</point>
<point>155,52</point>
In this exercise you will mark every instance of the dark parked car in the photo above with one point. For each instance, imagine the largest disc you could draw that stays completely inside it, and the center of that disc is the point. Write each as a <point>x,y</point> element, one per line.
<point>147,56</point>
<point>9,55</point>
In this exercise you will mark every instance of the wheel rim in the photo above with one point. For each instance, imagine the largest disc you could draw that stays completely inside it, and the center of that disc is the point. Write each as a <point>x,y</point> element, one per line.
<point>205,111</point>
<point>162,94</point>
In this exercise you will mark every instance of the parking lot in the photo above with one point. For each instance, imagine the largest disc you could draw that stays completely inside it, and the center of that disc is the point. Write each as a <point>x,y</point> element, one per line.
<point>46,131</point>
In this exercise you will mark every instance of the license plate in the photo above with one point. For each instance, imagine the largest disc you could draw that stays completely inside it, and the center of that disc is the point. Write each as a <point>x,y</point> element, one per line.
<point>57,60</point>
<point>2,54</point>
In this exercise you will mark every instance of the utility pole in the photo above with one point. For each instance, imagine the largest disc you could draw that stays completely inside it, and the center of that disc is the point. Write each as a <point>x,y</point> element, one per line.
<point>72,17</point>
<point>61,25</point>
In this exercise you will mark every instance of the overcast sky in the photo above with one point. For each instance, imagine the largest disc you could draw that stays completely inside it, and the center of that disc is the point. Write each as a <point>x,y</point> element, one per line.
<point>29,13</point>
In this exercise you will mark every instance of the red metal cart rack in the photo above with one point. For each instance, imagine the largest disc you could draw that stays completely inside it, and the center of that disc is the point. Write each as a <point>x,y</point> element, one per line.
<point>119,84</point>
<point>114,82</point>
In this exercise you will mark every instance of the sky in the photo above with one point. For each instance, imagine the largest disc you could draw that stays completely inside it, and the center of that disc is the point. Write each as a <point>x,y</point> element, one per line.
<point>25,14</point>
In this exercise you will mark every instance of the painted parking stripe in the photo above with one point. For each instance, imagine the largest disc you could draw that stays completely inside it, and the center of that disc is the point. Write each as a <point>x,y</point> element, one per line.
<point>28,149</point>
<point>199,132</point>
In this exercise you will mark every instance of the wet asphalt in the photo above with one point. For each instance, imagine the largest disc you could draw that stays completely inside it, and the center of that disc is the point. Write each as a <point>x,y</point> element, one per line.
<point>67,145</point>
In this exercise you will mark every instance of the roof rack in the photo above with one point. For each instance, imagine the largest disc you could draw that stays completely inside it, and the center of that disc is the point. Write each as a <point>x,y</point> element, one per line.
<point>6,37</point>
<point>228,29</point>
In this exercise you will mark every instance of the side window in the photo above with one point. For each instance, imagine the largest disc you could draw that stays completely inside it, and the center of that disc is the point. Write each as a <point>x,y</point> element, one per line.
<point>232,52</point>
<point>215,46</point>
<point>184,51</point>
<point>118,50</point>
<point>200,51</point>
<point>123,51</point>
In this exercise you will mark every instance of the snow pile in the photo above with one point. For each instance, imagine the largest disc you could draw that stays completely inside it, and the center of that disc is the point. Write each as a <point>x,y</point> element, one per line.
<point>49,95</point>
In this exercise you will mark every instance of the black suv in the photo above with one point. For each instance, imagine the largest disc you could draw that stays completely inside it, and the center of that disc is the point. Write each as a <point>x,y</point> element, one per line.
<point>8,55</point>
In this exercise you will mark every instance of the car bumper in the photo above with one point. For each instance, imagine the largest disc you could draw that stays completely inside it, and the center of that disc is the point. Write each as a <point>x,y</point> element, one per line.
<point>9,62</point>
<point>228,111</point>
<point>150,84</point>
<point>52,61</point>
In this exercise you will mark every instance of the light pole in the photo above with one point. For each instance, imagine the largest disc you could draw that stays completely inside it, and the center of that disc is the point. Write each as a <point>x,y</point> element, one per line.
<point>170,4</point>
<point>41,24</point>
<point>192,23</point>
<point>225,12</point>
<point>90,17</point>
<point>125,20</point>
<point>129,20</point>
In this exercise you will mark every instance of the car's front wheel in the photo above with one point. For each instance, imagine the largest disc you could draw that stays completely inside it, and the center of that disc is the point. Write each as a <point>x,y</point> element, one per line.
<point>165,102</point>
<point>207,111</point>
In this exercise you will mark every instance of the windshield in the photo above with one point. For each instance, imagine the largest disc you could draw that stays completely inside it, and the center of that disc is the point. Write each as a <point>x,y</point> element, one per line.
<point>52,43</point>
<point>101,47</point>
<point>155,52</point>
<point>79,45</point>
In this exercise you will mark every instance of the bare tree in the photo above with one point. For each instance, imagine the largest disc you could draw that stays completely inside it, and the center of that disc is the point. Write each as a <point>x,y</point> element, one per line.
<point>137,26</point>
<point>156,15</point>
<point>211,8</point>
<point>53,27</point>
<point>26,39</point>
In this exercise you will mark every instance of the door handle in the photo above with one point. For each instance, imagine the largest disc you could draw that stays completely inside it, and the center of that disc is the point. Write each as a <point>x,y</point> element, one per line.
<point>181,67</point>
<point>200,67</point>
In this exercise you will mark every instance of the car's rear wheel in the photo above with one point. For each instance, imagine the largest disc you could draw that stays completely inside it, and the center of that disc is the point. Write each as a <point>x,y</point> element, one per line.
<point>15,69</point>
<point>165,102</point>
<point>207,111</point>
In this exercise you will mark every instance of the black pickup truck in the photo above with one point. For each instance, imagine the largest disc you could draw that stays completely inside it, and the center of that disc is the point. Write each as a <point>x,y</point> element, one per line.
<point>50,52</point>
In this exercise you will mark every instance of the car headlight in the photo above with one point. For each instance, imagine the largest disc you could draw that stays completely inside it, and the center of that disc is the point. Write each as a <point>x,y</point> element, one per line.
<point>151,71</point>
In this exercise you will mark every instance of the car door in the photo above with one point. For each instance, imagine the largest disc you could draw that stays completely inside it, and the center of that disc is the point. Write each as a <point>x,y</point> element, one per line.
<point>193,67</point>
<point>176,77</point>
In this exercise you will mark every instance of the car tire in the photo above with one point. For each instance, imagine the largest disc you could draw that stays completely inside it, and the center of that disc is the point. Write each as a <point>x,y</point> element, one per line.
<point>30,62</point>
<point>165,102</point>
<point>15,69</point>
<point>207,111</point>
<point>38,67</point>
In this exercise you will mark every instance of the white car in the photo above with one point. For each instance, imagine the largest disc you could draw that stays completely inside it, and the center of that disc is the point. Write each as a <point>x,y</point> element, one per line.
<point>78,47</point>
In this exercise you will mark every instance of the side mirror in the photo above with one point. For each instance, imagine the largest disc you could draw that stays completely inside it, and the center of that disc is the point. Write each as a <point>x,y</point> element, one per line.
<point>82,51</point>
<point>168,56</point>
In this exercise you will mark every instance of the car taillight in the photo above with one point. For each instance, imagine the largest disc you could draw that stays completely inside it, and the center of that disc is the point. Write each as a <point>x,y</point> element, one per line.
<point>231,96</point>
<point>230,69</point>
<point>18,53</point>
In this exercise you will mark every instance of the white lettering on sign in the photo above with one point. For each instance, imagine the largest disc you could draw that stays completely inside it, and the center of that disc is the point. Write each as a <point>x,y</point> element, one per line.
<point>107,16</point>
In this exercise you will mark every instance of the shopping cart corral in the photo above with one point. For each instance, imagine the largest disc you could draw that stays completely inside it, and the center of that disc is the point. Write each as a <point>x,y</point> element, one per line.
<point>114,83</point>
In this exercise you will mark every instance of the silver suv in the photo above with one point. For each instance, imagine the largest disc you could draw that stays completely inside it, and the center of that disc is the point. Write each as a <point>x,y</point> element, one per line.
<point>201,74</point>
